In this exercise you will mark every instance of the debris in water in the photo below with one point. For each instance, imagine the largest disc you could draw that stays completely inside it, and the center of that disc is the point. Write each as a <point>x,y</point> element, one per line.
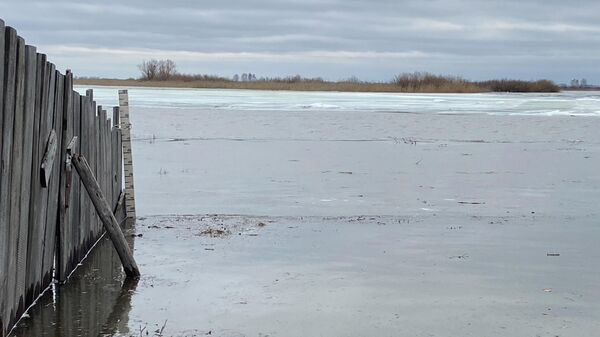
<point>261,224</point>
<point>471,203</point>
<point>553,254</point>
<point>215,232</point>
<point>547,290</point>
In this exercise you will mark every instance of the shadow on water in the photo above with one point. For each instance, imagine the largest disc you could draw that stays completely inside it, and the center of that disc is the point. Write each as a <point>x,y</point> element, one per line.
<point>96,300</point>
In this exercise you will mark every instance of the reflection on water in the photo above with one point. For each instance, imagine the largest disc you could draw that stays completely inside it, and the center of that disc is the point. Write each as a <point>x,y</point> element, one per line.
<point>94,302</point>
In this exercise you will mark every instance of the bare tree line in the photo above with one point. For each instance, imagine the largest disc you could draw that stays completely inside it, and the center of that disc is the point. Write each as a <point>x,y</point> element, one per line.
<point>166,70</point>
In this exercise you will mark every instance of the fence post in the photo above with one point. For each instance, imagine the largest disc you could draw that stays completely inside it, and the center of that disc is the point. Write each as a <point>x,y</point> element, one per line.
<point>127,153</point>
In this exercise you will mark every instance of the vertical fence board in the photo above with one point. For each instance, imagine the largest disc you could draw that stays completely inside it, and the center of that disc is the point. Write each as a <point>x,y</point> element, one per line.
<point>94,140</point>
<point>5,176</point>
<point>29,172</point>
<point>113,170</point>
<point>97,128</point>
<point>91,117</point>
<point>64,244</point>
<point>39,194</point>
<point>3,227</point>
<point>120,162</point>
<point>77,232</point>
<point>83,149</point>
<point>46,122</point>
<point>34,229</point>
<point>101,148</point>
<point>54,186</point>
<point>108,144</point>
<point>18,156</point>
<point>116,186</point>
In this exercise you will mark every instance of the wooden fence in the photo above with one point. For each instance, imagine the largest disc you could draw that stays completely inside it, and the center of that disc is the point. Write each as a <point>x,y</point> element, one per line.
<point>47,221</point>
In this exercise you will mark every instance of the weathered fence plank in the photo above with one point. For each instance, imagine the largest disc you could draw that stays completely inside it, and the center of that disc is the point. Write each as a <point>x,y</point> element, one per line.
<point>3,226</point>
<point>18,156</point>
<point>54,187</point>
<point>29,168</point>
<point>119,172</point>
<point>46,121</point>
<point>96,155</point>
<point>10,63</point>
<point>83,149</point>
<point>79,236</point>
<point>102,149</point>
<point>35,230</point>
<point>109,166</point>
<point>64,245</point>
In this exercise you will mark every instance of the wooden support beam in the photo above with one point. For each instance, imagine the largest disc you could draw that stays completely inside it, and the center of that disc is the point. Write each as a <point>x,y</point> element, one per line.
<point>106,215</point>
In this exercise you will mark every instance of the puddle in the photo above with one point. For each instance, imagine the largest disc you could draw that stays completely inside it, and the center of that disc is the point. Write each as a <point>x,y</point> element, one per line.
<point>95,302</point>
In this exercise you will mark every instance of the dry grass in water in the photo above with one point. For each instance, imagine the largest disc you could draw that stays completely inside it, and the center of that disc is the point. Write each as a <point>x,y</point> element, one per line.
<point>408,83</point>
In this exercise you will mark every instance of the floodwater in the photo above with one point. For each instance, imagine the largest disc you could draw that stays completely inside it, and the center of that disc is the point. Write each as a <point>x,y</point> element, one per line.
<point>338,214</point>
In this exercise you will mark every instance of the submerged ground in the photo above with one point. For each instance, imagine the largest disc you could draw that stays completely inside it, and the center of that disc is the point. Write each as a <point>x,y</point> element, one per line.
<point>362,215</point>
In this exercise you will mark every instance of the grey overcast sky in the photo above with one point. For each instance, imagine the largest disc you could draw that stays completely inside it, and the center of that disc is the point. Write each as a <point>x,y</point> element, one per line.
<point>335,39</point>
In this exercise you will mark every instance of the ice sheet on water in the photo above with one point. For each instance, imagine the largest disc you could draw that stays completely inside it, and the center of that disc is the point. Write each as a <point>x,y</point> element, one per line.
<point>555,104</point>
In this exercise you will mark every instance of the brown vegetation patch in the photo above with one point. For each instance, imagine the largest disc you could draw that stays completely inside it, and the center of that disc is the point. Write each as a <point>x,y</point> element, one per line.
<point>405,83</point>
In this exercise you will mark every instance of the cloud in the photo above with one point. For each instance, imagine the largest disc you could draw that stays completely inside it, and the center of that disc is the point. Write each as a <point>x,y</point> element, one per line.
<point>373,39</point>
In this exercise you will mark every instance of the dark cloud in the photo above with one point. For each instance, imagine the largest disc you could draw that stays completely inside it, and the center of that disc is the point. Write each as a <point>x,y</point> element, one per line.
<point>331,38</point>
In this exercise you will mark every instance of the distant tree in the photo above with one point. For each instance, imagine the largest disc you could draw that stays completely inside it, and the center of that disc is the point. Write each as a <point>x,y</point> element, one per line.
<point>160,70</point>
<point>244,77</point>
<point>583,83</point>
<point>236,77</point>
<point>149,69</point>
<point>166,69</point>
<point>575,83</point>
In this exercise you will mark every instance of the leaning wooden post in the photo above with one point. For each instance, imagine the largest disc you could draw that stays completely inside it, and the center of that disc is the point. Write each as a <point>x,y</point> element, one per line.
<point>106,215</point>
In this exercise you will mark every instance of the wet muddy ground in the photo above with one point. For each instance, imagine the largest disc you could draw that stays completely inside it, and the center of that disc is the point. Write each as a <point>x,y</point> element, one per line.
<point>354,223</point>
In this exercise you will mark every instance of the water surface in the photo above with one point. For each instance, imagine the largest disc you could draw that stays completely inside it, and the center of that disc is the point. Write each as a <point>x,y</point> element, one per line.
<point>339,214</point>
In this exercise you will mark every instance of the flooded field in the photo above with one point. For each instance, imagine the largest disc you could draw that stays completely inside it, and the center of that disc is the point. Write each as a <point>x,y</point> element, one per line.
<point>330,214</point>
